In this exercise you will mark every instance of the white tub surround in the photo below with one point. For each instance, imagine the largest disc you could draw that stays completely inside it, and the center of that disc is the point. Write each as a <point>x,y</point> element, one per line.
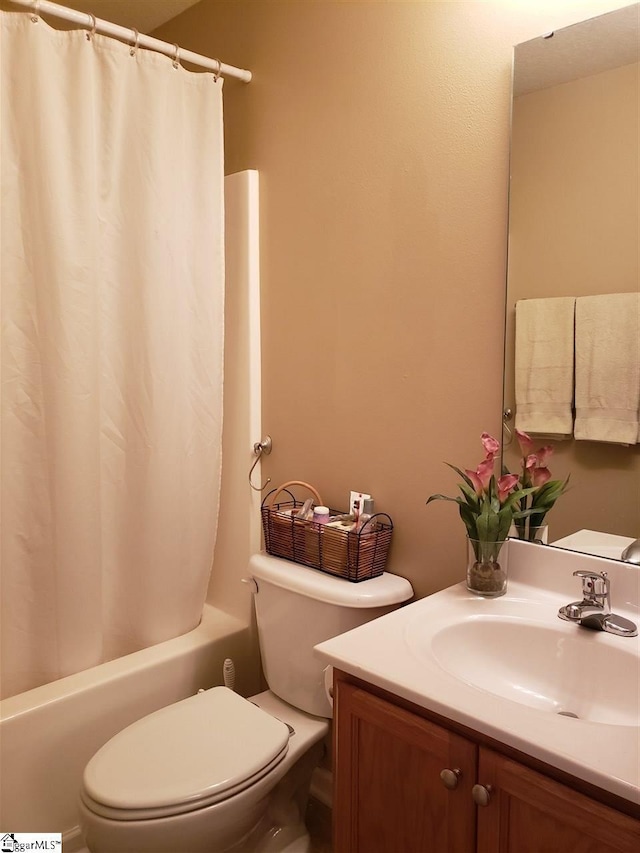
<point>409,654</point>
<point>239,521</point>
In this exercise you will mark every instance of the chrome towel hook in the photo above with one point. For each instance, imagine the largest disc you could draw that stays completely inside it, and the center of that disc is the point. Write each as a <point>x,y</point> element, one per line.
<point>265,446</point>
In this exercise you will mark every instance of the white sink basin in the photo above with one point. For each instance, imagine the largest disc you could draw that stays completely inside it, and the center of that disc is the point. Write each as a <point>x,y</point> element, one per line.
<point>547,668</point>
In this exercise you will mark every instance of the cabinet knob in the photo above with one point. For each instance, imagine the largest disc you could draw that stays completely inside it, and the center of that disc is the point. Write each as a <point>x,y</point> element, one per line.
<point>481,794</point>
<point>450,777</point>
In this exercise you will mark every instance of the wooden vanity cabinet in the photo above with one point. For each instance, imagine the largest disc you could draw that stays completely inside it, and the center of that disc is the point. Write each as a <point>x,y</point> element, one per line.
<point>530,813</point>
<point>389,796</point>
<point>388,793</point>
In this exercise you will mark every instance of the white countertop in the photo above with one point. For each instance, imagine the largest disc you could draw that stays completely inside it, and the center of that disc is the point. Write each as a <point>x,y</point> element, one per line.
<point>394,653</point>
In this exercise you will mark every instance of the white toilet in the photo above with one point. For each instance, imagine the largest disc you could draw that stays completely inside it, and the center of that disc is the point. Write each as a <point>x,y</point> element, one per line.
<point>217,773</point>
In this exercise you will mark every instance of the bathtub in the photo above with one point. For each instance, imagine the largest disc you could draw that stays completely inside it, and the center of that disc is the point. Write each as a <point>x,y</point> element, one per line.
<point>48,734</point>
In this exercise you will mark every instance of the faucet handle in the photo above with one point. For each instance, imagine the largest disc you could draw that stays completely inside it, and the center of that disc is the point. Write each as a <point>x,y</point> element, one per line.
<point>594,584</point>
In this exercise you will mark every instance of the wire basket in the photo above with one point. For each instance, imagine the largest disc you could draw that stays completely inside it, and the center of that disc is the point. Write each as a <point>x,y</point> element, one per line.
<point>355,556</point>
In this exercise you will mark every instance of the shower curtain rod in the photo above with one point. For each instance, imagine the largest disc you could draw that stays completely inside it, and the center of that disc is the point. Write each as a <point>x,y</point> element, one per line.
<point>132,36</point>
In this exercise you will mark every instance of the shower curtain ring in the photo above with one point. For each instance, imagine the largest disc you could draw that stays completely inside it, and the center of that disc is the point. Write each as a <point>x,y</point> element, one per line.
<point>216,73</point>
<point>134,46</point>
<point>176,57</point>
<point>35,14</point>
<point>94,27</point>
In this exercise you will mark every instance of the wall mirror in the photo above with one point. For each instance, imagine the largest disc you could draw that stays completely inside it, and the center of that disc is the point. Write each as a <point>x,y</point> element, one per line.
<point>574,232</point>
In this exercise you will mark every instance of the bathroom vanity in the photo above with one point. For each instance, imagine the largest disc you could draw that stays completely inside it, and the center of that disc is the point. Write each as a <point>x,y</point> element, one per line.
<point>408,780</point>
<point>467,724</point>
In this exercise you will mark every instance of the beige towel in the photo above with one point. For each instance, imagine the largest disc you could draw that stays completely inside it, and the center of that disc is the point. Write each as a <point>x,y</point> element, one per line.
<point>608,368</point>
<point>544,366</point>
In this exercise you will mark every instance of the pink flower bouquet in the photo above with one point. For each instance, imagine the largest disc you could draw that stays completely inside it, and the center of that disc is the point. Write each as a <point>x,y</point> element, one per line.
<point>539,491</point>
<point>488,506</point>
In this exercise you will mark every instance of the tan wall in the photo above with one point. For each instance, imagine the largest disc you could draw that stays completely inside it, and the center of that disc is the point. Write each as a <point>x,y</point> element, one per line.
<point>574,188</point>
<point>381,133</point>
<point>574,232</point>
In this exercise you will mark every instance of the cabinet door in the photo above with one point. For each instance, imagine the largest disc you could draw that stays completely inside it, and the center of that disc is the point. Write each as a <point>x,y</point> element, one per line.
<point>530,813</point>
<point>389,797</point>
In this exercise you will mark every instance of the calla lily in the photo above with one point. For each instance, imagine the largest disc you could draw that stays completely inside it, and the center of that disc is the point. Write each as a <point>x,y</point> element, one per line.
<point>537,473</point>
<point>481,477</point>
<point>530,462</point>
<point>525,442</point>
<point>540,476</point>
<point>543,454</point>
<point>476,482</point>
<point>506,484</point>
<point>485,472</point>
<point>541,492</point>
<point>490,444</point>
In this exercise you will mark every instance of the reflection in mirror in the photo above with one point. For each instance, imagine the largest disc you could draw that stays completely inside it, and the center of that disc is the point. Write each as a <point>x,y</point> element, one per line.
<point>573,233</point>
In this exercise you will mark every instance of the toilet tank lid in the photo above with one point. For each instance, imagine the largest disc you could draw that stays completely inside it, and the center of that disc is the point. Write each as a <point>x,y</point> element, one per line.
<point>382,591</point>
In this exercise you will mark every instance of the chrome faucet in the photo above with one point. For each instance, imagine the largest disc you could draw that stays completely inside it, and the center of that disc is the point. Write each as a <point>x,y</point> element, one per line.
<point>594,611</point>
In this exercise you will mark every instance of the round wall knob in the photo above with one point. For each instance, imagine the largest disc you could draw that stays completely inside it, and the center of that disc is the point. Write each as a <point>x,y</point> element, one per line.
<point>481,794</point>
<point>450,777</point>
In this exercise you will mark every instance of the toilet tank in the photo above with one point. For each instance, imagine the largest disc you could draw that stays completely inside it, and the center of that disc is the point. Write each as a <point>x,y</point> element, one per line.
<point>297,608</point>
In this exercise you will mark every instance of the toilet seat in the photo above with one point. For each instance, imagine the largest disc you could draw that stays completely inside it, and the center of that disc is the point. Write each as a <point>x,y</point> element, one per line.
<point>184,757</point>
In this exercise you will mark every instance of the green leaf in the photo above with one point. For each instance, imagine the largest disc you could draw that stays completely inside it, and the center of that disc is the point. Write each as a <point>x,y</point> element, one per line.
<point>548,494</point>
<point>469,520</point>
<point>460,473</point>
<point>505,516</point>
<point>522,493</point>
<point>487,524</point>
<point>523,513</point>
<point>472,498</point>
<point>441,498</point>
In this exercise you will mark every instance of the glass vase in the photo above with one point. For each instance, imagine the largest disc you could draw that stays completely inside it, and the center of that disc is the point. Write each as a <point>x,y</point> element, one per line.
<point>530,533</point>
<point>539,535</point>
<point>487,568</point>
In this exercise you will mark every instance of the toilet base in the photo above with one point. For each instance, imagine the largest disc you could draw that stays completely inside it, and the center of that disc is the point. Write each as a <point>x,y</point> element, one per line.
<point>267,838</point>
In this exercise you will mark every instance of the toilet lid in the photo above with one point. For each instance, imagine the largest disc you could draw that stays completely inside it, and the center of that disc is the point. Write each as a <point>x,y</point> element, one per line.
<point>189,754</point>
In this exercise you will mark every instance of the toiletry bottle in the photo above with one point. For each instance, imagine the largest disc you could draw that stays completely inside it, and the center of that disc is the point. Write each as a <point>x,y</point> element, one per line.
<point>305,512</point>
<point>365,515</point>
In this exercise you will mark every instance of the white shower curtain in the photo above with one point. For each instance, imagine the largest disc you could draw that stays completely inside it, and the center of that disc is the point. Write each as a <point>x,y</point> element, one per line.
<point>112,346</point>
